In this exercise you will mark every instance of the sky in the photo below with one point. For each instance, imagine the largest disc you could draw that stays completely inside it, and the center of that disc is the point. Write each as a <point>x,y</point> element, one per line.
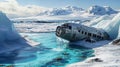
<point>81,3</point>
<point>23,8</point>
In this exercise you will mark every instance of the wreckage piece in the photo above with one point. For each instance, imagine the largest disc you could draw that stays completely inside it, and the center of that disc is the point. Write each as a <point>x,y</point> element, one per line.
<point>76,32</point>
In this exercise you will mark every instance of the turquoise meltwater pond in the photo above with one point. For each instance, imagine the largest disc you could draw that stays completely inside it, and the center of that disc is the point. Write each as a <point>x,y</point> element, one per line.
<point>49,53</point>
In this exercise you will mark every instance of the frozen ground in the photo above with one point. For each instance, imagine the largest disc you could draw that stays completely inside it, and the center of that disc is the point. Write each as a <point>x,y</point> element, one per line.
<point>35,27</point>
<point>109,54</point>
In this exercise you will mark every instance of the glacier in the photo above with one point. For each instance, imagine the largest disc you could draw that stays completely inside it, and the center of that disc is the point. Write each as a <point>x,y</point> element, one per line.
<point>9,37</point>
<point>110,25</point>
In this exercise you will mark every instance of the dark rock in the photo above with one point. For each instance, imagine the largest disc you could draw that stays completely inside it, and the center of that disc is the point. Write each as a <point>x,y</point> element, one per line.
<point>95,60</point>
<point>98,60</point>
<point>58,59</point>
<point>116,42</point>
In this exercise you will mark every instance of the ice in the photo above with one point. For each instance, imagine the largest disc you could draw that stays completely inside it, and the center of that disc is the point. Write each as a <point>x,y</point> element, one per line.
<point>109,23</point>
<point>110,26</point>
<point>97,20</point>
<point>36,27</point>
<point>109,55</point>
<point>113,27</point>
<point>9,37</point>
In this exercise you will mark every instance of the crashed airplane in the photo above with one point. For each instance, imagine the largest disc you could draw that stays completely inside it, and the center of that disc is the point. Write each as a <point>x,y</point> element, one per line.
<point>76,32</point>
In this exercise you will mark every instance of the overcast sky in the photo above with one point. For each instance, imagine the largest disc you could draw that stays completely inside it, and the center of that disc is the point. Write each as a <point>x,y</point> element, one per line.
<point>18,8</point>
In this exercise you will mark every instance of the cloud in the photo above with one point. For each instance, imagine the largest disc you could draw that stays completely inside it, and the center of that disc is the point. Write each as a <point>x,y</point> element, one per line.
<point>13,9</point>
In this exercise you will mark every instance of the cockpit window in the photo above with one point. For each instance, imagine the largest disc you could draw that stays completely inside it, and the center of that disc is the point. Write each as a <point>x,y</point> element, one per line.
<point>65,24</point>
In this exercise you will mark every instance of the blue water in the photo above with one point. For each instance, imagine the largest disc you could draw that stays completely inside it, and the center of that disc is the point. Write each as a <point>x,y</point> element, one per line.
<point>49,53</point>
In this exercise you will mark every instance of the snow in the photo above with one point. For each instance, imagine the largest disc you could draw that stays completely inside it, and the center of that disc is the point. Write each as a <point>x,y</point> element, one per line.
<point>36,27</point>
<point>109,23</point>
<point>110,26</point>
<point>49,18</point>
<point>99,10</point>
<point>102,17</point>
<point>71,13</point>
<point>62,11</point>
<point>109,55</point>
<point>113,27</point>
<point>95,10</point>
<point>98,19</point>
<point>9,37</point>
<point>106,52</point>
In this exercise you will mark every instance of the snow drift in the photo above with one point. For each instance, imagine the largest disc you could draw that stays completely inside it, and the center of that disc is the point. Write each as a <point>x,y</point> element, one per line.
<point>110,26</point>
<point>9,38</point>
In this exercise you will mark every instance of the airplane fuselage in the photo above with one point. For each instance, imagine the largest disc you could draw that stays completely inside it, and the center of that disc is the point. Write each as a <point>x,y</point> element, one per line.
<point>76,32</point>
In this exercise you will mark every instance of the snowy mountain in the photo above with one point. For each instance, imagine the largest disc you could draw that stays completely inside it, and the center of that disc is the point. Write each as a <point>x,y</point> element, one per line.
<point>99,10</point>
<point>93,10</point>
<point>62,11</point>
<point>70,13</point>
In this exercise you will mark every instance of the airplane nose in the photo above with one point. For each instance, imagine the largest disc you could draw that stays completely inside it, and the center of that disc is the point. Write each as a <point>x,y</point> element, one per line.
<point>59,31</point>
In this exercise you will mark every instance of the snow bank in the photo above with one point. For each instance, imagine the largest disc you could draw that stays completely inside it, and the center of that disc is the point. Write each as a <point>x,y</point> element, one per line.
<point>9,38</point>
<point>113,27</point>
<point>36,27</point>
<point>105,23</point>
<point>110,58</point>
<point>100,19</point>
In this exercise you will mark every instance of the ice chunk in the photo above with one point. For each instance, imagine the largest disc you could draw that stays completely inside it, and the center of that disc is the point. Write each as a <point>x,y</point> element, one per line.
<point>110,26</point>
<point>9,37</point>
<point>7,31</point>
<point>113,27</point>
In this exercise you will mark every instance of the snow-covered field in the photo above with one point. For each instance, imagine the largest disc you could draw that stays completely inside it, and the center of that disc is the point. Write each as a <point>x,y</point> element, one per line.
<point>35,27</point>
<point>108,54</point>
